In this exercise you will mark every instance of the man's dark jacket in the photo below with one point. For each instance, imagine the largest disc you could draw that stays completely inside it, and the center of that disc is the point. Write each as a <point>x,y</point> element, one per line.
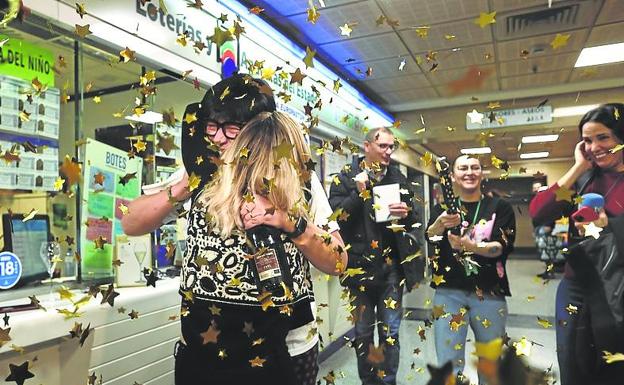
<point>360,229</point>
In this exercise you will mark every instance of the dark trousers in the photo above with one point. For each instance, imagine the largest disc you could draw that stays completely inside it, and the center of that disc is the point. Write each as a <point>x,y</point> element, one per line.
<point>305,366</point>
<point>380,305</point>
<point>190,369</point>
<point>569,292</point>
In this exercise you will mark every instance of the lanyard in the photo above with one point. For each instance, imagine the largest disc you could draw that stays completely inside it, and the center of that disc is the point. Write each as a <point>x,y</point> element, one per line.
<point>461,214</point>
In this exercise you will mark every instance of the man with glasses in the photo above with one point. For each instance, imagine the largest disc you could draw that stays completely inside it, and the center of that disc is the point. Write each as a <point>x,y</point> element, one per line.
<point>382,257</point>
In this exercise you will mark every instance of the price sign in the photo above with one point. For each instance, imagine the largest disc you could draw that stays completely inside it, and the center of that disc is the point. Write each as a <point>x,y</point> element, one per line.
<point>10,270</point>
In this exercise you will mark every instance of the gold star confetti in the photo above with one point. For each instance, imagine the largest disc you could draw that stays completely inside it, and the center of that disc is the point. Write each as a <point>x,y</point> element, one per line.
<point>257,362</point>
<point>390,303</point>
<point>523,347</point>
<point>127,55</point>
<point>193,182</point>
<point>610,358</point>
<point>313,14</point>
<point>422,31</point>
<point>544,323</point>
<point>82,30</point>
<point>438,279</point>
<point>309,57</point>
<point>140,145</point>
<point>591,230</point>
<point>190,118</point>
<point>563,194</point>
<point>211,335</point>
<point>559,41</point>
<point>485,19</point>
<point>345,30</point>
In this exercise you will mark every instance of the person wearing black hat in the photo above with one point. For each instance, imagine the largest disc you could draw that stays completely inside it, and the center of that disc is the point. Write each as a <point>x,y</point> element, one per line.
<point>224,111</point>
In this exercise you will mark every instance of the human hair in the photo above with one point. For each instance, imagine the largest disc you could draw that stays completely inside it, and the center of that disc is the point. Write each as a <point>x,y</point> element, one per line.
<point>245,98</point>
<point>465,156</point>
<point>240,175</point>
<point>611,115</point>
<point>371,135</point>
<point>237,99</point>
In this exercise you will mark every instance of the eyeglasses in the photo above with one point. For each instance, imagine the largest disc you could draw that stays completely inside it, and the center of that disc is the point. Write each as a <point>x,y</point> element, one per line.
<point>229,129</point>
<point>385,147</point>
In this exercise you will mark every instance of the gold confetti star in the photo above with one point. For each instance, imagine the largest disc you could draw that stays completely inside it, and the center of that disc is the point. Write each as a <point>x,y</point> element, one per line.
<point>82,30</point>
<point>257,362</point>
<point>591,230</point>
<point>559,41</point>
<point>309,57</point>
<point>485,19</point>
<point>345,30</point>
<point>390,303</point>
<point>438,279</point>
<point>563,194</point>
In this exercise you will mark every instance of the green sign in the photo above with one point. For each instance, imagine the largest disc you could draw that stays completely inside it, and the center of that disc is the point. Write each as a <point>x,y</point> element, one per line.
<point>26,61</point>
<point>103,194</point>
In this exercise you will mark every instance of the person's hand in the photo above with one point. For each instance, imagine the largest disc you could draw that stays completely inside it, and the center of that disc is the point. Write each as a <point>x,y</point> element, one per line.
<point>448,221</point>
<point>180,191</point>
<point>262,212</point>
<point>360,181</point>
<point>461,243</point>
<point>581,159</point>
<point>602,222</point>
<point>398,209</point>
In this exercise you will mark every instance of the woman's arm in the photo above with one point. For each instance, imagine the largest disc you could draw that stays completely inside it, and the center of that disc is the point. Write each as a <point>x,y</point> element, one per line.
<point>146,213</point>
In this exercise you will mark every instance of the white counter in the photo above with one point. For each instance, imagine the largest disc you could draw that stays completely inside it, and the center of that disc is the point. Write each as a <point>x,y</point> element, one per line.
<point>120,349</point>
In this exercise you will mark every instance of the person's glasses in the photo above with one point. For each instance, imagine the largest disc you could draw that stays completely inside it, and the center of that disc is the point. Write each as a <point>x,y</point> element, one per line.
<point>385,147</point>
<point>230,129</point>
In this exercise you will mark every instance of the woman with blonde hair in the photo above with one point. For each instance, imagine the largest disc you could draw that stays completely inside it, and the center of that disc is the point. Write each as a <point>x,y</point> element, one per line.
<point>234,331</point>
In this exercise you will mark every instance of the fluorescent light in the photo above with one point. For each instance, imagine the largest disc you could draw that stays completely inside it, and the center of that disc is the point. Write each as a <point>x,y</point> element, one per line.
<point>540,138</point>
<point>149,117</point>
<point>602,54</point>
<point>534,155</point>
<point>476,150</point>
<point>573,111</point>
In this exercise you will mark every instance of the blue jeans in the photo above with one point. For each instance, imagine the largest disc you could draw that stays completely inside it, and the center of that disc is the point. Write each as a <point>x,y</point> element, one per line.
<point>451,345</point>
<point>568,292</point>
<point>371,310</point>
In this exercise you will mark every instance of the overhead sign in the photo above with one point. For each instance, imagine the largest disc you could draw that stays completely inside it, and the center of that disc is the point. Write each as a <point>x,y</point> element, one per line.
<point>164,26</point>
<point>512,117</point>
<point>10,270</point>
<point>26,61</point>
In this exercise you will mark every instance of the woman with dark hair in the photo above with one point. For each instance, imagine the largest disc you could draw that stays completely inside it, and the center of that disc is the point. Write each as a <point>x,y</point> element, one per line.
<point>469,269</point>
<point>598,168</point>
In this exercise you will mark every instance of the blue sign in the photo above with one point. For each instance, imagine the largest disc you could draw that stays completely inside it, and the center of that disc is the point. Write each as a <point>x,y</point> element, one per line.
<point>10,270</point>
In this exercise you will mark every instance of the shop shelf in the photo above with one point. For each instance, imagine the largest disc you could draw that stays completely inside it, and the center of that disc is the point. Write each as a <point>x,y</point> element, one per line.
<point>8,103</point>
<point>8,179</point>
<point>51,97</point>
<point>47,182</point>
<point>47,127</point>
<point>25,163</point>
<point>27,127</point>
<point>47,111</point>
<point>25,180</point>
<point>9,121</point>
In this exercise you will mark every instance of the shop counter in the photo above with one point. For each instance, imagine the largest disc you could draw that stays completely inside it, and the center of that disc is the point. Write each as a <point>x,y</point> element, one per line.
<point>119,349</point>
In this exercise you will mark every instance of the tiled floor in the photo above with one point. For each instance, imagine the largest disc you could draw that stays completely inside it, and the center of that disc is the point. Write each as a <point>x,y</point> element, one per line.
<point>531,298</point>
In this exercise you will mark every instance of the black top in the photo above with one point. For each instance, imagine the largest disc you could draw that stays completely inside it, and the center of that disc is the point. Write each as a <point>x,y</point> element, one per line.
<point>491,275</point>
<point>226,325</point>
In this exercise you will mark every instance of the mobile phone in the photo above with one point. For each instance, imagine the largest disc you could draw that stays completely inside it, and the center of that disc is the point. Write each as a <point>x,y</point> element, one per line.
<point>585,214</point>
